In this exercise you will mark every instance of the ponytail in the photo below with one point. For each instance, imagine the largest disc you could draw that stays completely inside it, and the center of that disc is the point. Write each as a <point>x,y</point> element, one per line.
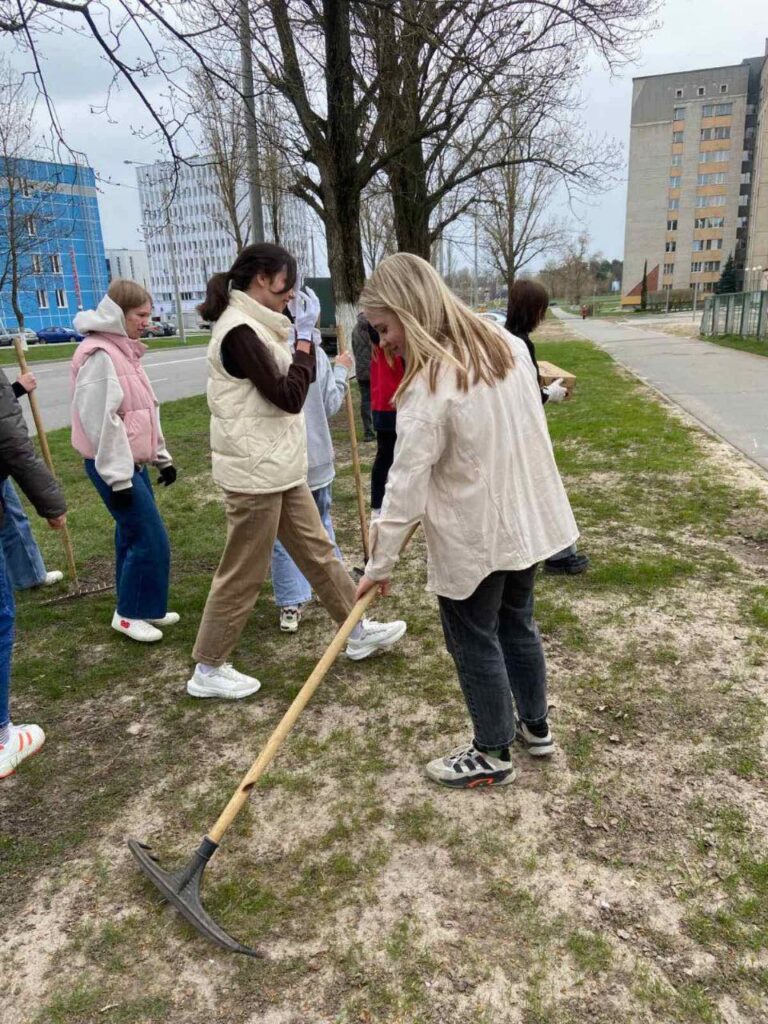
<point>216,297</point>
<point>260,258</point>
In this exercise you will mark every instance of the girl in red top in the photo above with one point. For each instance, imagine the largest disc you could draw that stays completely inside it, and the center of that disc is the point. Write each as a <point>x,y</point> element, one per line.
<point>386,373</point>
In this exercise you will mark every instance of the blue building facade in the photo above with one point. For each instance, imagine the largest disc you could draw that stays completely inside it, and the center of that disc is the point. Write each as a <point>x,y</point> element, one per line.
<point>62,259</point>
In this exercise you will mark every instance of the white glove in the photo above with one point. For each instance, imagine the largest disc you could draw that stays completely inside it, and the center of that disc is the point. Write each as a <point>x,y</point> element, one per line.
<point>306,310</point>
<point>555,391</point>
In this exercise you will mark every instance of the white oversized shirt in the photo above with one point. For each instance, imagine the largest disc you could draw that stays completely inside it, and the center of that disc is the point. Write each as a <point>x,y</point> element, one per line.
<point>477,469</point>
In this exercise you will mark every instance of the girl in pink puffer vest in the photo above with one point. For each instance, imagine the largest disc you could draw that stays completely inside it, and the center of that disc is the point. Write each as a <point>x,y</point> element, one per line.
<point>116,429</point>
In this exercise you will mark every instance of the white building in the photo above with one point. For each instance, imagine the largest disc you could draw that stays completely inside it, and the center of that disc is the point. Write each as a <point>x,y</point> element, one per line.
<point>131,264</point>
<point>184,217</point>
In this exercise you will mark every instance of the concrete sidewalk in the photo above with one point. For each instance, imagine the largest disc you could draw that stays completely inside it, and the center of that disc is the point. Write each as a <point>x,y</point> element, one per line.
<point>724,389</point>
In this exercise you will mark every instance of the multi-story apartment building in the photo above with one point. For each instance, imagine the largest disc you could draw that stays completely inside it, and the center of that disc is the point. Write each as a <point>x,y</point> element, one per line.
<point>49,216</point>
<point>129,263</point>
<point>187,222</point>
<point>697,142</point>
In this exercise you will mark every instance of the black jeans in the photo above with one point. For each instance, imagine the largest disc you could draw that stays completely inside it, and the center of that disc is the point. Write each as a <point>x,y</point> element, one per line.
<point>385,454</point>
<point>494,641</point>
<point>365,406</point>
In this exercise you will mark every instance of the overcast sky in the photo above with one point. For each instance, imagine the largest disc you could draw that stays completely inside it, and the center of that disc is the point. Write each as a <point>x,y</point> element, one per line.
<point>693,34</point>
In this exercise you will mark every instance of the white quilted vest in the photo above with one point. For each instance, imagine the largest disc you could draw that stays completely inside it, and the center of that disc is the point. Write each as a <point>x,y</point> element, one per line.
<point>256,448</point>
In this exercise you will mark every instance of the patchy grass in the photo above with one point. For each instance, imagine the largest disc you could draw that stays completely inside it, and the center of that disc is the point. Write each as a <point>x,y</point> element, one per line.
<point>757,346</point>
<point>626,878</point>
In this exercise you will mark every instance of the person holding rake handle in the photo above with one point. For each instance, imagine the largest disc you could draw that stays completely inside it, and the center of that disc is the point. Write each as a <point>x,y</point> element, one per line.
<point>474,463</point>
<point>256,393</point>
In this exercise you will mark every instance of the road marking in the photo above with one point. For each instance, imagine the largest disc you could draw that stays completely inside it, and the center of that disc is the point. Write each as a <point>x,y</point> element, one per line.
<point>158,380</point>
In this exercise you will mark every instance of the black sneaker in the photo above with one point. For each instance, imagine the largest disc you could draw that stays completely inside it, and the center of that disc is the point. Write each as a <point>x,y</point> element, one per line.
<point>467,768</point>
<point>537,739</point>
<point>571,565</point>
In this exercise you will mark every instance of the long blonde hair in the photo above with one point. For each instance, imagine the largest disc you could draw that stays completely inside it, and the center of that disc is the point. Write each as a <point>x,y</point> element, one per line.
<point>439,329</point>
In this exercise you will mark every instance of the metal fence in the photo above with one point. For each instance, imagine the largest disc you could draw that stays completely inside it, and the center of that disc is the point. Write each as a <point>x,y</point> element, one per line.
<point>742,313</point>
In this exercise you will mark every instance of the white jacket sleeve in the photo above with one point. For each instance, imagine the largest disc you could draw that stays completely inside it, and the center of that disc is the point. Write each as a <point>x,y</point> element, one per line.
<point>332,381</point>
<point>420,443</point>
<point>98,396</point>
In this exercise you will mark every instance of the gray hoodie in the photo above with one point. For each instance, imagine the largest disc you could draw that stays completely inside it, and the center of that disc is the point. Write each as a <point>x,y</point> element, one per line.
<point>324,399</point>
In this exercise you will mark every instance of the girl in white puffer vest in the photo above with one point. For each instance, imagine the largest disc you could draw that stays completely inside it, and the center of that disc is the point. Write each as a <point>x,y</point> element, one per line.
<point>256,393</point>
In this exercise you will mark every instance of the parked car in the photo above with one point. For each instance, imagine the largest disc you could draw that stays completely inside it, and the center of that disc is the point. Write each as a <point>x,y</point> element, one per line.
<point>167,328</point>
<point>152,331</point>
<point>51,335</point>
<point>6,337</point>
<point>495,315</point>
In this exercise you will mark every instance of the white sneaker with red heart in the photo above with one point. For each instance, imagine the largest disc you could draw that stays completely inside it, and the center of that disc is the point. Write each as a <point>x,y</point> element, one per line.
<point>23,742</point>
<point>136,629</point>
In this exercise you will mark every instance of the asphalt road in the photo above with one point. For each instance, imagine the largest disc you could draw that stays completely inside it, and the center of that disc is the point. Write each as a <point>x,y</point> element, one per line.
<point>174,372</point>
<point>724,389</point>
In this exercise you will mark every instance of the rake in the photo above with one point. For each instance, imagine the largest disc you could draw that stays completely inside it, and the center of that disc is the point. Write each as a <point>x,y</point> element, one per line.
<point>181,886</point>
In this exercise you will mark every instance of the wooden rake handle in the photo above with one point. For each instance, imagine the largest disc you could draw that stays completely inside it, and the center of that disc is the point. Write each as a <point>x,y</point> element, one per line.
<point>341,344</point>
<point>42,437</point>
<point>288,721</point>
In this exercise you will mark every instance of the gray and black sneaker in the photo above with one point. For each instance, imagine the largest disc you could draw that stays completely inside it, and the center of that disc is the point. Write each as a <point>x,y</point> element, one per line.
<point>467,768</point>
<point>536,738</point>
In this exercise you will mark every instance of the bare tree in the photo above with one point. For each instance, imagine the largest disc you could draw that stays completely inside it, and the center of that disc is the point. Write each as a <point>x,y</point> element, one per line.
<point>377,229</point>
<point>219,115</point>
<point>514,216</point>
<point>28,221</point>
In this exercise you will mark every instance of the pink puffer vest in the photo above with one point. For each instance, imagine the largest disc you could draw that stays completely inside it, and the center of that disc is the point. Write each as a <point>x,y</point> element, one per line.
<point>138,410</point>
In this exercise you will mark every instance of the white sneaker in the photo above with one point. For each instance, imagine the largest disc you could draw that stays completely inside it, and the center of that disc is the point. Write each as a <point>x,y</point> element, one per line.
<point>290,619</point>
<point>54,576</point>
<point>377,636</point>
<point>24,741</point>
<point>169,619</point>
<point>136,629</point>
<point>225,681</point>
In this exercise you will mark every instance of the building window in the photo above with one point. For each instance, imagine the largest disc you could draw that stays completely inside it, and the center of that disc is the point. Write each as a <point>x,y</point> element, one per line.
<point>746,178</point>
<point>674,181</point>
<point>715,156</point>
<point>723,88</point>
<point>696,267</point>
<point>709,222</point>
<point>710,201</point>
<point>37,263</point>
<point>717,178</point>
<point>679,114</point>
<point>670,247</point>
<point>669,268</point>
<point>678,94</point>
<point>61,298</point>
<point>42,298</point>
<point>56,263</point>
<point>707,134</point>
<point>700,91</point>
<point>677,136</point>
<point>31,225</point>
<point>671,225</point>
<point>707,244</point>
<point>711,265</point>
<point>716,109</point>
<point>677,159</point>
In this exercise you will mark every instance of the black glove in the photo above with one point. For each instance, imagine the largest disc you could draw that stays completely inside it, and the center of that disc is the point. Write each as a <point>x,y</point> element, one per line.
<point>123,499</point>
<point>167,476</point>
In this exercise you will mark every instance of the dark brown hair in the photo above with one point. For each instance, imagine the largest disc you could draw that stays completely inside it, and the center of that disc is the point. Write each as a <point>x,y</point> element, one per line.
<point>260,258</point>
<point>526,306</point>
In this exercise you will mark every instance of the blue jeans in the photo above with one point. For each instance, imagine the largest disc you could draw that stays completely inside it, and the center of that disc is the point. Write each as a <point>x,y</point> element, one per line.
<point>288,584</point>
<point>7,630</point>
<point>494,641</point>
<point>142,550</point>
<point>23,561</point>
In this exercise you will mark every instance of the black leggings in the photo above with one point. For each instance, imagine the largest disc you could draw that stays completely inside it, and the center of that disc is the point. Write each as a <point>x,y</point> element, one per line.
<point>385,453</point>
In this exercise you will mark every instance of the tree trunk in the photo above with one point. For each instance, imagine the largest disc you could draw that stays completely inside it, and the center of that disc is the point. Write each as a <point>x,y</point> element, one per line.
<point>408,181</point>
<point>339,174</point>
